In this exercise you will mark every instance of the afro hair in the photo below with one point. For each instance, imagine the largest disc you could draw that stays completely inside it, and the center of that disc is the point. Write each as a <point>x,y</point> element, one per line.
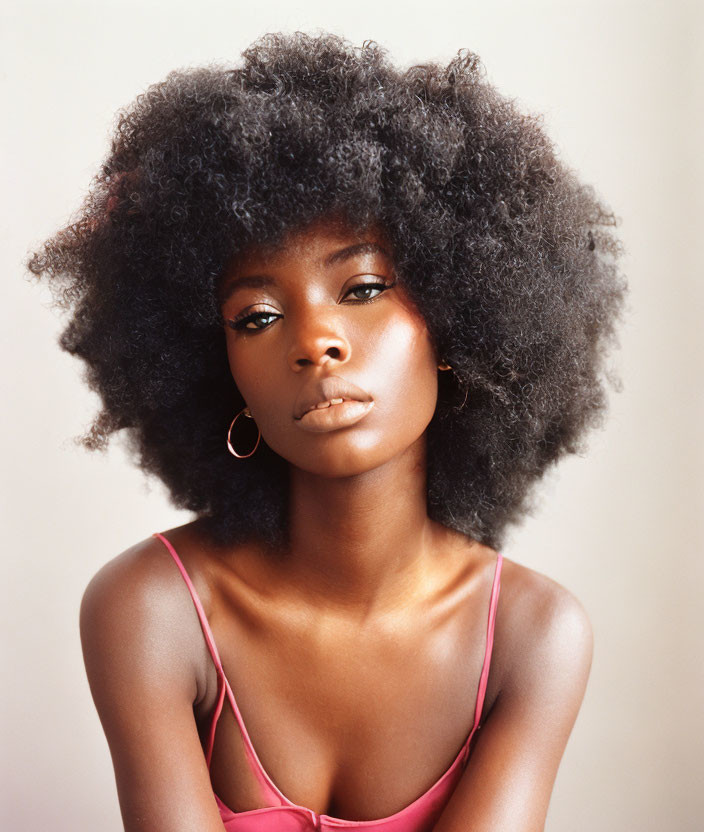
<point>512,261</point>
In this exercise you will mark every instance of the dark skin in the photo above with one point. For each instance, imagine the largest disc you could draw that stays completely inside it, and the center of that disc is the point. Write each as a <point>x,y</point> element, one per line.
<point>354,654</point>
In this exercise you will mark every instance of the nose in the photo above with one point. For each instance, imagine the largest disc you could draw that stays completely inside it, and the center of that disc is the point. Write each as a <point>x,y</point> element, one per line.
<point>317,341</point>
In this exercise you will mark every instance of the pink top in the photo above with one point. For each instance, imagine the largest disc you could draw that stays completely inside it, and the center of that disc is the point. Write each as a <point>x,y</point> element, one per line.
<point>285,816</point>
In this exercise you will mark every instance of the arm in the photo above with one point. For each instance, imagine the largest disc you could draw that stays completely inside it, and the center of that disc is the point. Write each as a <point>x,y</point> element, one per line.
<point>508,781</point>
<point>138,639</point>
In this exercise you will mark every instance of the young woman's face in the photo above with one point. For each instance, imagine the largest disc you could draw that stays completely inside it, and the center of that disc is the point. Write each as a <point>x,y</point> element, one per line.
<point>323,318</point>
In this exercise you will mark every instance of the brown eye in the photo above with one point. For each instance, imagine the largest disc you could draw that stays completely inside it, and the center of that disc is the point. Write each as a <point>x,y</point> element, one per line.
<point>241,323</point>
<point>365,287</point>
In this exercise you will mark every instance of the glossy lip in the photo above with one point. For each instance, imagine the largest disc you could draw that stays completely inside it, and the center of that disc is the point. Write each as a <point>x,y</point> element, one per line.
<point>319,390</point>
<point>335,416</point>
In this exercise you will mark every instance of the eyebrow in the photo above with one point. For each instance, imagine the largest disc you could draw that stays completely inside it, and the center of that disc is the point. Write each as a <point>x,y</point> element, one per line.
<point>261,281</point>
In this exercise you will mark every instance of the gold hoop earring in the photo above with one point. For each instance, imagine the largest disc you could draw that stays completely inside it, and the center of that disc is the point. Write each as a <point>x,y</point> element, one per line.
<point>444,367</point>
<point>229,443</point>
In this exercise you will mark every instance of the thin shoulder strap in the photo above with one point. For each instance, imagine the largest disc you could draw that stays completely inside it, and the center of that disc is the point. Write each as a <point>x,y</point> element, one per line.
<point>207,632</point>
<point>495,589</point>
<point>210,641</point>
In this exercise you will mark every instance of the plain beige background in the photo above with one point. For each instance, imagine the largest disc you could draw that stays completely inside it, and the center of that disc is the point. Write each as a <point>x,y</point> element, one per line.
<point>621,527</point>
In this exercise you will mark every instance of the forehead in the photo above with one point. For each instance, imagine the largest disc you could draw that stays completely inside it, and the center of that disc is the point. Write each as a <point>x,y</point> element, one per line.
<point>318,241</point>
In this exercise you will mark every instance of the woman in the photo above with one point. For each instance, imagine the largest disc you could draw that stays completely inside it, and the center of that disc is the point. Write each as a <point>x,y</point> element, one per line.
<point>349,315</point>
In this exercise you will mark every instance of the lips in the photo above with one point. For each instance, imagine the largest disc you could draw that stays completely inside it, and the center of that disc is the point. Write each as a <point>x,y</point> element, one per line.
<point>322,390</point>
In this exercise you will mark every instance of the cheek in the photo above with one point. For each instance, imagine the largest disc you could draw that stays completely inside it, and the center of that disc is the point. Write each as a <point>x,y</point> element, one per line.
<point>246,370</point>
<point>408,382</point>
<point>235,369</point>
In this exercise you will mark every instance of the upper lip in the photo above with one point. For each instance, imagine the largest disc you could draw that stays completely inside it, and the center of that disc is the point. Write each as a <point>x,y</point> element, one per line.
<point>323,389</point>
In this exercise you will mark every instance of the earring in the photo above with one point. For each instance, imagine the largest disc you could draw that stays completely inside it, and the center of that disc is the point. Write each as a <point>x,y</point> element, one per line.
<point>444,366</point>
<point>229,443</point>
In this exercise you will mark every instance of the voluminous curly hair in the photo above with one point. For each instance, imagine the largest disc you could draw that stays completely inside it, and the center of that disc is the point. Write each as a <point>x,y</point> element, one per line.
<point>510,258</point>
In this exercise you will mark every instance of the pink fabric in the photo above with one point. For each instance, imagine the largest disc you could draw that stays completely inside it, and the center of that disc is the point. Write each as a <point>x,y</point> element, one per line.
<point>282,815</point>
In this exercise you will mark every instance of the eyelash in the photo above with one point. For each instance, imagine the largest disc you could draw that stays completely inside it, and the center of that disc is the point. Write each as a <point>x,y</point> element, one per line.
<point>239,324</point>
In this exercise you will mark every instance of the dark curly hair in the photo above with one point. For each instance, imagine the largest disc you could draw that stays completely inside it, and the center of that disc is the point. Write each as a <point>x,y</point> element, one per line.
<point>512,261</point>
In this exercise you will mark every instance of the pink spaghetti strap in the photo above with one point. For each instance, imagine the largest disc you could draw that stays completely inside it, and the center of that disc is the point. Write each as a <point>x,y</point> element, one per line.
<point>196,600</point>
<point>481,693</point>
<point>210,641</point>
<point>224,686</point>
<point>495,589</point>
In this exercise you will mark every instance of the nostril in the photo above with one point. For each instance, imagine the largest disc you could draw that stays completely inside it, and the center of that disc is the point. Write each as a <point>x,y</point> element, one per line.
<point>327,357</point>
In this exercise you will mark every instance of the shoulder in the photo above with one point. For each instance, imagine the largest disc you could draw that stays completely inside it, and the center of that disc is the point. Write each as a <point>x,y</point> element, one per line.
<point>142,580</point>
<point>136,610</point>
<point>146,577</point>
<point>545,630</point>
<point>142,648</point>
<point>544,642</point>
<point>136,569</point>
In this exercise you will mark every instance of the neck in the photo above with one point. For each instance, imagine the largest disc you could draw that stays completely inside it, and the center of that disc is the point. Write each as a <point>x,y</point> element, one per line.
<point>362,543</point>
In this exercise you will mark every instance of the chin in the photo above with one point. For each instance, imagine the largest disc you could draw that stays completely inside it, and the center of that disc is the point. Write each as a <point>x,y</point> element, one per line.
<point>335,456</point>
<point>332,456</point>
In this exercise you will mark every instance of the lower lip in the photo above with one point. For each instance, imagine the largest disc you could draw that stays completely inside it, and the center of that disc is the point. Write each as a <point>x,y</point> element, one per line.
<point>336,416</point>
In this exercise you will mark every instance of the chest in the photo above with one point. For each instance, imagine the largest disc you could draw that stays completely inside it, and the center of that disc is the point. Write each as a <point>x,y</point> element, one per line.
<point>354,721</point>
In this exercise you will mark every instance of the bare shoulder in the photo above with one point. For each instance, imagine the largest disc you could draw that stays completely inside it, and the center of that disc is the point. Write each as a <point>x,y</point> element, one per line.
<point>545,641</point>
<point>545,630</point>
<point>146,575</point>
<point>137,606</point>
<point>141,581</point>
<point>142,568</point>
<point>145,655</point>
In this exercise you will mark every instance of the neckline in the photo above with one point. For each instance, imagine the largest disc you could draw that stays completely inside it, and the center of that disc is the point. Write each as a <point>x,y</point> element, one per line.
<point>462,755</point>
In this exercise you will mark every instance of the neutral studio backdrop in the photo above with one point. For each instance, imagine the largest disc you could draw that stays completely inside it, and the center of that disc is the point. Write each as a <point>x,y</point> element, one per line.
<point>621,526</point>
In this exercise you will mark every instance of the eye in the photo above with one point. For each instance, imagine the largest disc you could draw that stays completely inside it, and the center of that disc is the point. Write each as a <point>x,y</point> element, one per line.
<point>241,323</point>
<point>365,287</point>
